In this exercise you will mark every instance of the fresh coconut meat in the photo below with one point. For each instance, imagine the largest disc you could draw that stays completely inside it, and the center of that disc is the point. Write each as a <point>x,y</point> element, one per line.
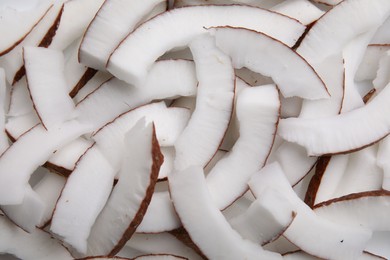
<point>112,23</point>
<point>23,245</point>
<point>4,144</point>
<point>76,209</point>
<point>378,244</point>
<point>93,83</point>
<point>302,10</point>
<point>136,54</point>
<point>383,162</point>
<point>382,34</point>
<point>300,255</point>
<point>17,126</point>
<point>265,219</point>
<point>167,79</point>
<point>281,245</point>
<point>357,209</point>
<point>34,147</point>
<point>20,100</point>
<point>29,213</point>
<point>262,4</point>
<point>257,111</point>
<point>39,36</point>
<point>330,3</point>
<point>130,197</point>
<point>167,166</point>
<point>383,76</point>
<point>169,123</point>
<point>192,209</point>
<point>17,24</point>
<point>341,133</point>
<point>159,257</point>
<point>293,75</point>
<point>214,105</point>
<point>345,242</point>
<point>47,86</point>
<point>347,20</point>
<point>370,63</point>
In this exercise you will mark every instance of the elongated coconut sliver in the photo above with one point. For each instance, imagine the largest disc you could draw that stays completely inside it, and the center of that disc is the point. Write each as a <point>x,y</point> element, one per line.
<point>193,203</point>
<point>342,133</point>
<point>115,19</point>
<point>15,241</point>
<point>83,197</point>
<point>136,54</point>
<point>3,90</point>
<point>167,79</point>
<point>214,105</point>
<point>47,85</point>
<point>131,195</point>
<point>293,75</point>
<point>34,147</point>
<point>257,112</point>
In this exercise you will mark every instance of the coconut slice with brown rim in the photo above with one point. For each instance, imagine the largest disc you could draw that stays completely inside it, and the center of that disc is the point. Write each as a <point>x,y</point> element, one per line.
<point>130,197</point>
<point>93,83</point>
<point>131,63</point>
<point>20,101</point>
<point>302,10</point>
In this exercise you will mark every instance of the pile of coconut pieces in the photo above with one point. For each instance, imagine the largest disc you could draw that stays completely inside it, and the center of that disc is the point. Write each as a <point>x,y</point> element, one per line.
<point>219,129</point>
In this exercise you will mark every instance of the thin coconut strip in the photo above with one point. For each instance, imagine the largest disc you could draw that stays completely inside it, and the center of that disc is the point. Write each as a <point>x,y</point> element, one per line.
<point>3,95</point>
<point>17,242</point>
<point>136,54</point>
<point>34,147</point>
<point>342,133</point>
<point>293,75</point>
<point>167,79</point>
<point>257,112</point>
<point>130,197</point>
<point>93,83</point>
<point>114,21</point>
<point>307,226</point>
<point>214,105</point>
<point>47,86</point>
<point>76,209</point>
<point>193,204</point>
<point>169,123</point>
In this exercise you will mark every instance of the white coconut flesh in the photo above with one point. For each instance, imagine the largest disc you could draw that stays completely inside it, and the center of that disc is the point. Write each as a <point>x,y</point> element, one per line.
<point>101,38</point>
<point>35,146</point>
<point>382,162</point>
<point>94,83</point>
<point>346,242</point>
<point>167,79</point>
<point>169,158</point>
<point>370,63</point>
<point>47,85</point>
<point>214,105</point>
<point>17,126</point>
<point>257,112</point>
<point>128,201</point>
<point>383,76</point>
<point>85,193</point>
<point>300,255</point>
<point>169,123</point>
<point>20,100</point>
<point>136,54</point>
<point>382,34</point>
<point>159,257</point>
<point>192,209</point>
<point>267,4</point>
<point>4,143</point>
<point>23,245</point>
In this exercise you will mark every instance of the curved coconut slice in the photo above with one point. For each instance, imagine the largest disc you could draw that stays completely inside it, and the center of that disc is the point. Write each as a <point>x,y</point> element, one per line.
<point>383,76</point>
<point>215,233</point>
<point>348,19</point>
<point>258,115</point>
<point>167,79</point>
<point>17,126</point>
<point>17,24</point>
<point>47,86</point>
<point>93,83</point>
<point>20,100</point>
<point>370,63</point>
<point>77,210</point>
<point>341,133</point>
<point>271,224</point>
<point>358,209</point>
<point>17,242</point>
<point>135,55</point>
<point>3,94</point>
<point>35,147</point>
<point>279,62</point>
<point>131,195</point>
<point>214,104</point>
<point>345,242</point>
<point>169,123</point>
<point>302,10</point>
<point>114,21</point>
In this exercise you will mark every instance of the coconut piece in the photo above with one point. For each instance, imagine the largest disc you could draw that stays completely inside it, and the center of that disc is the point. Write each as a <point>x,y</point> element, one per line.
<point>77,210</point>
<point>302,10</point>
<point>214,105</point>
<point>382,34</point>
<point>3,136</point>
<point>383,75</point>
<point>17,126</point>
<point>93,83</point>
<point>328,2</point>
<point>378,244</point>
<point>35,147</point>
<point>115,19</point>
<point>281,245</point>
<point>131,195</point>
<point>191,209</point>
<point>257,112</point>
<point>169,123</point>
<point>370,63</point>
<point>357,209</point>
<point>47,86</point>
<point>20,100</point>
<point>341,133</point>
<point>346,242</point>
<point>262,4</point>
<point>167,79</point>
<point>382,161</point>
<point>300,255</point>
<point>185,102</point>
<point>130,63</point>
<point>169,156</point>
<point>159,257</point>
<point>278,61</point>
<point>21,244</point>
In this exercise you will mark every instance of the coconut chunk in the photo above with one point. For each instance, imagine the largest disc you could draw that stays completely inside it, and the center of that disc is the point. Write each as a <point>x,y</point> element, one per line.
<point>20,100</point>
<point>302,10</point>
<point>17,126</point>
